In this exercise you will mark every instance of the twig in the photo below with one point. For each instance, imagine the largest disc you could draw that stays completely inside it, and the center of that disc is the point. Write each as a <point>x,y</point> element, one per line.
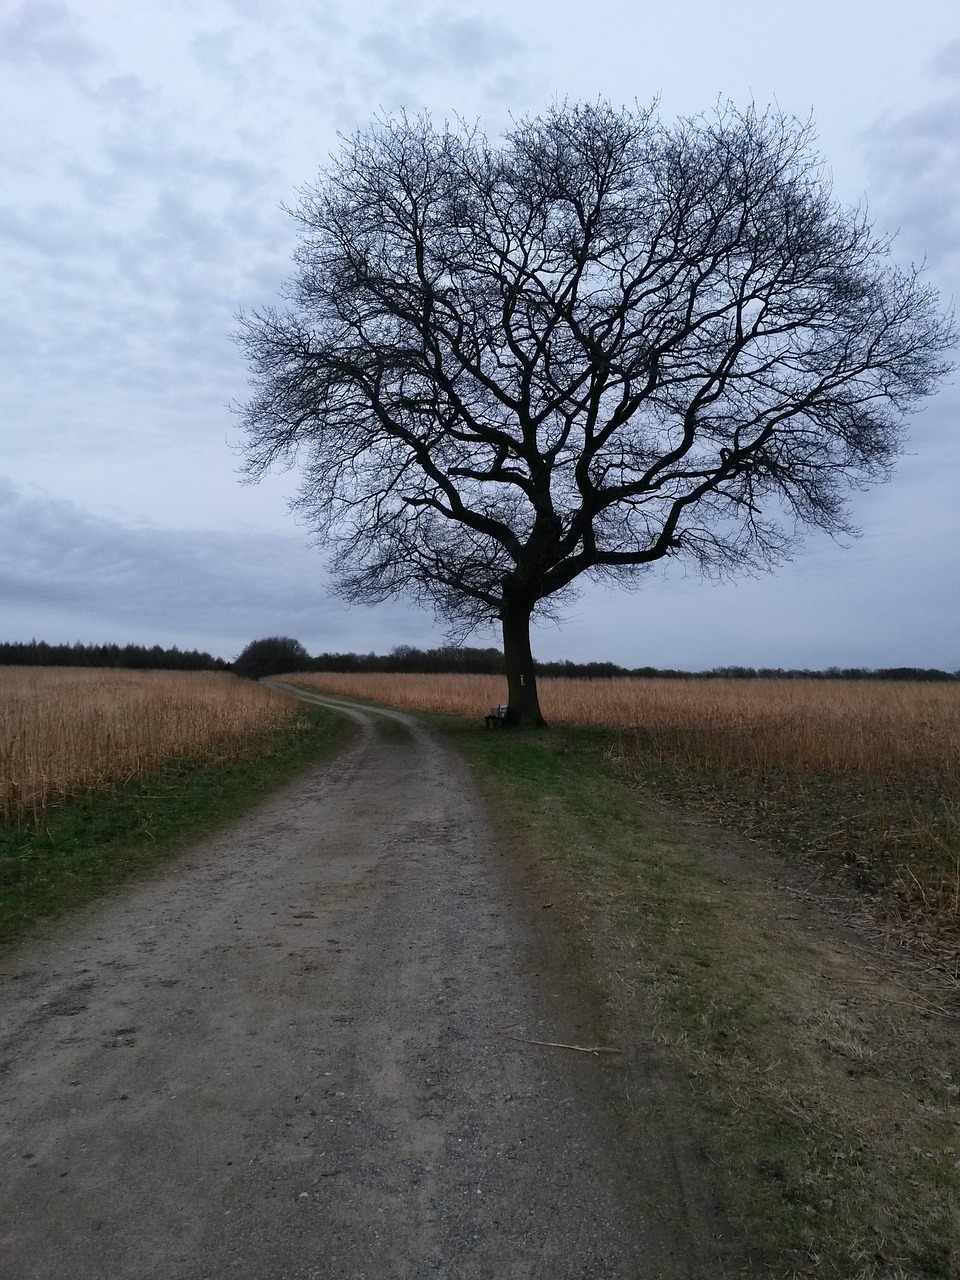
<point>554,1044</point>
<point>806,891</point>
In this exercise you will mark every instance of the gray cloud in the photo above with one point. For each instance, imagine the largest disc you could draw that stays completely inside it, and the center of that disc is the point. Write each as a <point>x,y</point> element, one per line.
<point>914,161</point>
<point>249,9</point>
<point>94,578</point>
<point>439,41</point>
<point>45,32</point>
<point>946,65</point>
<point>474,43</point>
<point>60,553</point>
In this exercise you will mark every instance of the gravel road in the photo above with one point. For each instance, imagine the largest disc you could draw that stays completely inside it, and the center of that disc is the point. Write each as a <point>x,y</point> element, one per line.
<point>304,1051</point>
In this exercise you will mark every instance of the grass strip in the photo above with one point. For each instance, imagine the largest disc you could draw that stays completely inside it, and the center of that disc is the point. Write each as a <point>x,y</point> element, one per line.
<point>822,1071</point>
<point>89,844</point>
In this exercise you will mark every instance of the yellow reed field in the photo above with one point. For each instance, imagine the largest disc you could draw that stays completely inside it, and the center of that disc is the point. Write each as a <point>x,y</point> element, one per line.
<point>65,730</point>
<point>875,727</point>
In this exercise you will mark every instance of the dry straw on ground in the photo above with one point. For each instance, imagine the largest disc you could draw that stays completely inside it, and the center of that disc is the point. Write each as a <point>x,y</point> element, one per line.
<point>63,730</point>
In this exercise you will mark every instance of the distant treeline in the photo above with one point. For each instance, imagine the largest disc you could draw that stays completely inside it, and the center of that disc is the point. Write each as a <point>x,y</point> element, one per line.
<point>830,673</point>
<point>466,661</point>
<point>405,658</point>
<point>39,654</point>
<point>449,658</point>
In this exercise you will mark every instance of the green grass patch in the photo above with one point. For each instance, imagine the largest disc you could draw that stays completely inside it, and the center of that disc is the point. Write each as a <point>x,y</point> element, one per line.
<point>822,1071</point>
<point>89,844</point>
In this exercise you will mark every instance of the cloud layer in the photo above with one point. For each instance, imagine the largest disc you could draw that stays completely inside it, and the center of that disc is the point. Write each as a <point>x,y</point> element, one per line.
<point>97,579</point>
<point>149,149</point>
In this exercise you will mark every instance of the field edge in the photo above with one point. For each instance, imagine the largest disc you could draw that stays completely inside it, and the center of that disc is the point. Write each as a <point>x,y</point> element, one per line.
<point>89,845</point>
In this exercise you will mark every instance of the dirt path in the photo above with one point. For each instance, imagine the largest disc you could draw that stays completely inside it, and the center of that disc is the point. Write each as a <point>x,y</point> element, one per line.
<point>291,1057</point>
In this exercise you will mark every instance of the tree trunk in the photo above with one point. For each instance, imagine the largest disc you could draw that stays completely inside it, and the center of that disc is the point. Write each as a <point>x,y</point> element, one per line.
<point>524,706</point>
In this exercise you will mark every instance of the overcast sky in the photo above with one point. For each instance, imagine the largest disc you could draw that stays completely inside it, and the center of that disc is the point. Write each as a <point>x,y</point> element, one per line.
<point>147,149</point>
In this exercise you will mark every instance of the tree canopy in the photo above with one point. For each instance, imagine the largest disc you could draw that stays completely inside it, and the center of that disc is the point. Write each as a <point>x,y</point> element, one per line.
<point>272,656</point>
<point>602,342</point>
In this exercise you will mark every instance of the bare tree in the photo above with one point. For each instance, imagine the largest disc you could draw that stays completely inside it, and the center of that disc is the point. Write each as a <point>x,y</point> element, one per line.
<point>604,342</point>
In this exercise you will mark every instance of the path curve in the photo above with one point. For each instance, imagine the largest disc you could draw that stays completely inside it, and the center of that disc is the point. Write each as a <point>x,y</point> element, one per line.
<point>303,1052</point>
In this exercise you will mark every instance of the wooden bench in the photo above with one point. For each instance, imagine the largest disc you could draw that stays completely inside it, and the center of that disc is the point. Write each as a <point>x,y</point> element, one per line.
<point>496,718</point>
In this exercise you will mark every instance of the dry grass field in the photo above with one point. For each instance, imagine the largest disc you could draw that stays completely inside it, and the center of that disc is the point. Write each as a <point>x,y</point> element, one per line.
<point>67,730</point>
<point>866,725</point>
<point>866,773</point>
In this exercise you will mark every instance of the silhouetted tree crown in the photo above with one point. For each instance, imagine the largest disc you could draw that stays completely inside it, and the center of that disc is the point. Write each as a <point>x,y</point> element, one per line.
<point>273,656</point>
<point>602,343</point>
